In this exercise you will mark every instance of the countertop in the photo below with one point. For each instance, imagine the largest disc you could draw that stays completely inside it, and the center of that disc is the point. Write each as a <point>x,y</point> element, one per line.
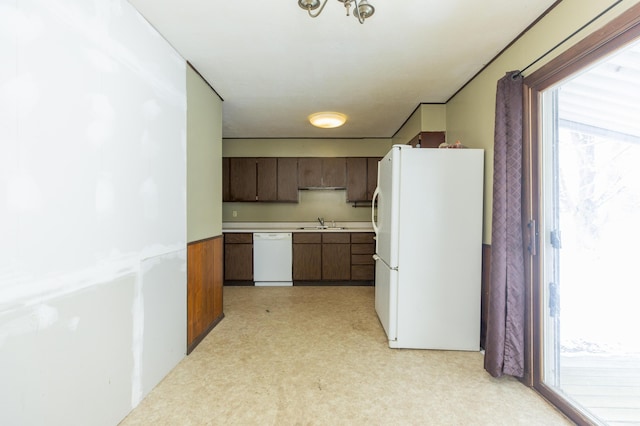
<point>295,227</point>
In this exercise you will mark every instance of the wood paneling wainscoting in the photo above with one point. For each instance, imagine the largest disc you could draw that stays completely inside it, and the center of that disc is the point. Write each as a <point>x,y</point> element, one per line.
<point>484,298</point>
<point>204,288</point>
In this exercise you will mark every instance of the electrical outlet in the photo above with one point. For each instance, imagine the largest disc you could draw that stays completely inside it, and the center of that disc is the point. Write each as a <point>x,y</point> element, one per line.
<point>235,213</point>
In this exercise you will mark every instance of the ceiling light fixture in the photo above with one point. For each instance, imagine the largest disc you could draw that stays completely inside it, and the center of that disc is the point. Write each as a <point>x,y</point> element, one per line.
<point>327,119</point>
<point>362,9</point>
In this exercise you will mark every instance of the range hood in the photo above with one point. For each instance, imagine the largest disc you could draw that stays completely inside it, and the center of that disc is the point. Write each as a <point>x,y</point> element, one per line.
<point>321,188</point>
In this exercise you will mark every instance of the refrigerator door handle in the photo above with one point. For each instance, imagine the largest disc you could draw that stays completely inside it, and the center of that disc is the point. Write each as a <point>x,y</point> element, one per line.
<point>373,203</point>
<point>376,257</point>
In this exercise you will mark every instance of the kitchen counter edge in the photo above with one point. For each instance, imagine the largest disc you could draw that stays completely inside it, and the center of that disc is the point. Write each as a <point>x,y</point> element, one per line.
<point>239,227</point>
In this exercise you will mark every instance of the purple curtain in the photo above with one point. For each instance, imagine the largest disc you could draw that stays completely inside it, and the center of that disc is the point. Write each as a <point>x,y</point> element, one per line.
<point>504,346</point>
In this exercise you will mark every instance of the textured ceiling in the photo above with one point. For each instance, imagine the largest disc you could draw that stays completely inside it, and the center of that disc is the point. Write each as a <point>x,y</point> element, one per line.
<point>273,65</point>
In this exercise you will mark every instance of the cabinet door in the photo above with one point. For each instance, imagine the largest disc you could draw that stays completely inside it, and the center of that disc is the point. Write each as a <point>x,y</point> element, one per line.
<point>238,257</point>
<point>226,196</point>
<point>242,179</point>
<point>372,176</point>
<point>307,256</point>
<point>307,262</point>
<point>288,179</point>
<point>267,182</point>
<point>356,179</point>
<point>431,139</point>
<point>336,262</point>
<point>428,139</point>
<point>309,172</point>
<point>238,262</point>
<point>334,172</point>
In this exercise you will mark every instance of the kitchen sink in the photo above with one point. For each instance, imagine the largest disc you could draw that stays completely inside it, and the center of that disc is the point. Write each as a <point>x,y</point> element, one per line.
<point>323,228</point>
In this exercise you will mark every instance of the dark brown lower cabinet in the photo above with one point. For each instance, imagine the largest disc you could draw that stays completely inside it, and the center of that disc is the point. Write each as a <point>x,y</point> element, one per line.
<point>204,289</point>
<point>336,256</point>
<point>318,257</point>
<point>332,257</point>
<point>238,256</point>
<point>307,257</point>
<point>362,249</point>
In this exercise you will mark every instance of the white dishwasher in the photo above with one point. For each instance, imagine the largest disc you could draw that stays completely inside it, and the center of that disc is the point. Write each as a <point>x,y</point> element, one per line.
<point>272,259</point>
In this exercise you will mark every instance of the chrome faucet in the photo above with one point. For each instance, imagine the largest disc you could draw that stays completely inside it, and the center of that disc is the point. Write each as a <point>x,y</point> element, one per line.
<point>321,220</point>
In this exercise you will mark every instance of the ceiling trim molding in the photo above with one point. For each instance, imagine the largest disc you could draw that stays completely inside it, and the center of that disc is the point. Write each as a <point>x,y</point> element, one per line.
<point>205,80</point>
<point>308,138</point>
<point>413,112</point>
<point>507,47</point>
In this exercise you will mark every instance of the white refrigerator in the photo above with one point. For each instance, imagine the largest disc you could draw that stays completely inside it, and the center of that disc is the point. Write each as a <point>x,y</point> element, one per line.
<point>428,225</point>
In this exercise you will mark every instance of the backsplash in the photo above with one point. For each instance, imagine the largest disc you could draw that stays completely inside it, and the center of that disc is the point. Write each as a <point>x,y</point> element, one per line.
<point>330,204</point>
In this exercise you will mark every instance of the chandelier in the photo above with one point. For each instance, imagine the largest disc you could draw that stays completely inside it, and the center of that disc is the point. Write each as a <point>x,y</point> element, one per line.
<point>362,10</point>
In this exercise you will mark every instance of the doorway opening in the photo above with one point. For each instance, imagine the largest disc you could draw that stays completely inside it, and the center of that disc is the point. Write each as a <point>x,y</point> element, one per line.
<point>589,216</point>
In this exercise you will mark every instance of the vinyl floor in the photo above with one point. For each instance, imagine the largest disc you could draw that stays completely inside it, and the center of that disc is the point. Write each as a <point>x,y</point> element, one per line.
<point>319,356</point>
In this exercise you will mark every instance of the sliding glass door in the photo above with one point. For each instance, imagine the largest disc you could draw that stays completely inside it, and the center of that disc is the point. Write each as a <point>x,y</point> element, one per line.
<point>589,226</point>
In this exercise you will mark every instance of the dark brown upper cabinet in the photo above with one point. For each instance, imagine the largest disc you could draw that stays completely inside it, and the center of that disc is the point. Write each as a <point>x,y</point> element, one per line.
<point>226,195</point>
<point>372,176</point>
<point>362,178</point>
<point>310,172</point>
<point>356,179</point>
<point>242,179</point>
<point>267,179</point>
<point>322,172</point>
<point>288,179</point>
<point>334,172</point>
<point>428,139</point>
<point>260,179</point>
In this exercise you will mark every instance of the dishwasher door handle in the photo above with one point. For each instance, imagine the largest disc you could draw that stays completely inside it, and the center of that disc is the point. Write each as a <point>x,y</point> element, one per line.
<point>271,235</point>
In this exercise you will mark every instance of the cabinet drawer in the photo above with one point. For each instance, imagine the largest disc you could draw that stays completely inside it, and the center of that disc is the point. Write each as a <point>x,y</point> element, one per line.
<point>362,237</point>
<point>362,259</point>
<point>239,238</point>
<point>363,248</point>
<point>362,272</point>
<point>307,238</point>
<point>336,238</point>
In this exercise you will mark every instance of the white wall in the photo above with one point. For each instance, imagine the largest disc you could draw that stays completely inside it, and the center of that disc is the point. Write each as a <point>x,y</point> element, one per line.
<point>93,206</point>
